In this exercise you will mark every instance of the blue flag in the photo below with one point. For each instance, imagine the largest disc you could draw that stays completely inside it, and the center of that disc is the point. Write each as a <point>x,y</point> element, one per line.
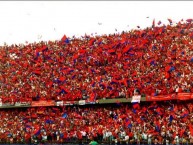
<point>171,118</point>
<point>191,60</point>
<point>64,115</point>
<point>49,121</point>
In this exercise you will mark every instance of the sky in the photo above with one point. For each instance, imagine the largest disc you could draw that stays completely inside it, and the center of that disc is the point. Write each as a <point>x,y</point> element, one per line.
<point>34,21</point>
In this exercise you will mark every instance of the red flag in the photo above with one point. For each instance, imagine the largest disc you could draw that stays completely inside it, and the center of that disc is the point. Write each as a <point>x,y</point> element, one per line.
<point>62,78</point>
<point>75,56</point>
<point>111,51</point>
<point>119,55</point>
<point>82,51</point>
<point>63,38</point>
<point>136,106</point>
<point>125,49</point>
<point>91,42</point>
<point>37,72</point>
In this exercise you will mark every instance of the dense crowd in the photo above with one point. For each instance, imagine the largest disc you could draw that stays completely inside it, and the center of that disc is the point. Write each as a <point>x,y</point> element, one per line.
<point>155,60</point>
<point>163,123</point>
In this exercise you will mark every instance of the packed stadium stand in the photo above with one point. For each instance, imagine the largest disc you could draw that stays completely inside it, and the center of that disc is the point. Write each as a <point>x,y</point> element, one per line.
<point>171,121</point>
<point>45,88</point>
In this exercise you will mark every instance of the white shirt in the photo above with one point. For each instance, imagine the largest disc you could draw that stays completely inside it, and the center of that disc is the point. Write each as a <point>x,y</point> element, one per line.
<point>108,133</point>
<point>126,137</point>
<point>83,133</point>
<point>123,134</point>
<point>145,136</point>
<point>44,137</point>
<point>177,139</point>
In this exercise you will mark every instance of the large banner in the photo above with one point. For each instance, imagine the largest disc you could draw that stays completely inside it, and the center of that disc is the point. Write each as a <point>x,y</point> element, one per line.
<point>66,103</point>
<point>82,102</point>
<point>59,103</point>
<point>185,96</point>
<point>136,99</point>
<point>43,103</point>
<point>179,96</point>
<point>24,104</point>
<point>161,97</point>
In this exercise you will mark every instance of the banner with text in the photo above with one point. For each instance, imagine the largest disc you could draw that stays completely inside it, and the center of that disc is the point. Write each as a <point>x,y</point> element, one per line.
<point>43,103</point>
<point>66,103</point>
<point>24,104</point>
<point>179,96</point>
<point>185,96</point>
<point>82,102</point>
<point>59,103</point>
<point>161,97</point>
